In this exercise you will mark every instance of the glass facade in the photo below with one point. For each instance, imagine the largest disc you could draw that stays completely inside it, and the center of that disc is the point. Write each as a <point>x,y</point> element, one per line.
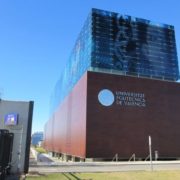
<point>133,46</point>
<point>78,63</point>
<point>114,43</point>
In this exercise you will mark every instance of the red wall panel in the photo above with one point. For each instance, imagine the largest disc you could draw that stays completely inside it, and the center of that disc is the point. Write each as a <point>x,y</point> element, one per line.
<point>48,135</point>
<point>125,129</point>
<point>68,134</point>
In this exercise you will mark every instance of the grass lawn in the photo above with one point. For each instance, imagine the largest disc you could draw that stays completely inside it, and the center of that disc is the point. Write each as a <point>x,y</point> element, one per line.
<point>140,175</point>
<point>40,150</point>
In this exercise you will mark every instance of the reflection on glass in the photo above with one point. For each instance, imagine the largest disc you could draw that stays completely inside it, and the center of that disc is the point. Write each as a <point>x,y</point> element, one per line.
<point>114,43</point>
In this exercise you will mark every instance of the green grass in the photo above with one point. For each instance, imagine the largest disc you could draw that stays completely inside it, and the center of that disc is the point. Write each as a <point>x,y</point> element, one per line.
<point>140,175</point>
<point>40,150</point>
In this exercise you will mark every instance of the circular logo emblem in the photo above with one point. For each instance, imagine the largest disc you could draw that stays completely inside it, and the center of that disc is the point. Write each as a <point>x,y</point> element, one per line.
<point>106,97</point>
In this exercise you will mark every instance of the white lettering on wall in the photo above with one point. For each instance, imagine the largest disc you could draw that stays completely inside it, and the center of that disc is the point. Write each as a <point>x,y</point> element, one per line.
<point>125,98</point>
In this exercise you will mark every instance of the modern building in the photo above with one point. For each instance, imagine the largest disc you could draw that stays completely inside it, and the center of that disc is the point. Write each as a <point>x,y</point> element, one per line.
<point>16,120</point>
<point>119,87</point>
<point>36,138</point>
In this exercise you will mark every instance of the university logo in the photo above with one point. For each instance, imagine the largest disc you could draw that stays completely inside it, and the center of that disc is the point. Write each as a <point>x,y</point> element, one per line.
<point>106,97</point>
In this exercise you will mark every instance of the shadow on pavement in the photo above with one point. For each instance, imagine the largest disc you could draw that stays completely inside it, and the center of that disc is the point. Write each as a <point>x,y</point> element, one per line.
<point>43,158</point>
<point>69,176</point>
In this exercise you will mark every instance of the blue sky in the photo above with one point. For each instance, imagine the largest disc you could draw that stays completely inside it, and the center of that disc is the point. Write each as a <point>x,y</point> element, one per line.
<point>37,36</point>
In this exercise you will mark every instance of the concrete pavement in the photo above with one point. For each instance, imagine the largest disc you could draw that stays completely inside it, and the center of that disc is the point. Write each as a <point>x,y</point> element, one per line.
<point>104,166</point>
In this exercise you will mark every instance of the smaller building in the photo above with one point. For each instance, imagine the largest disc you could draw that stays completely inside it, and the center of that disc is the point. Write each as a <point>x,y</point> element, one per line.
<point>37,138</point>
<point>16,119</point>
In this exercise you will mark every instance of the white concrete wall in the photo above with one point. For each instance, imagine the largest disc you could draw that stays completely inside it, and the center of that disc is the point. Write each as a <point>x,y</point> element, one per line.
<point>34,153</point>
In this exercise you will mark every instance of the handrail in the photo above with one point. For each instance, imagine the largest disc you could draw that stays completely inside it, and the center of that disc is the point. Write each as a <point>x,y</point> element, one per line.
<point>115,157</point>
<point>133,157</point>
<point>148,157</point>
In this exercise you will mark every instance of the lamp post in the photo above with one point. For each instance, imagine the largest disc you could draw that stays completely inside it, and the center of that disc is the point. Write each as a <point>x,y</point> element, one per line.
<point>150,153</point>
